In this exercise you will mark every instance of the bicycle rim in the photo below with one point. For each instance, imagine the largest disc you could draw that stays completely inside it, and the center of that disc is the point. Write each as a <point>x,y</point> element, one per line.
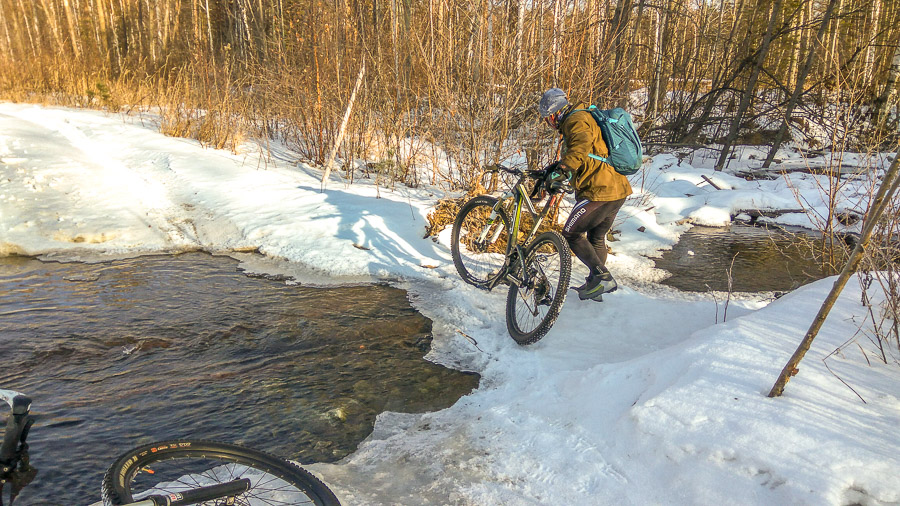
<point>177,466</point>
<point>479,241</point>
<point>531,309</point>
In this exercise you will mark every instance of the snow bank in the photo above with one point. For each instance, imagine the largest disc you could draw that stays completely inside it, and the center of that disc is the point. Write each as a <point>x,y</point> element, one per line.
<point>648,397</point>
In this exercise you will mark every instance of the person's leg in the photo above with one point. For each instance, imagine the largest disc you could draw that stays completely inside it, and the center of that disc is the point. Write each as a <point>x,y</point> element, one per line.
<point>576,225</point>
<point>593,219</point>
<point>597,235</point>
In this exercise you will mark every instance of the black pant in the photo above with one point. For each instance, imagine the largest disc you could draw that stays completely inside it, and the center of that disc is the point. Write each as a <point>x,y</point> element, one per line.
<point>593,220</point>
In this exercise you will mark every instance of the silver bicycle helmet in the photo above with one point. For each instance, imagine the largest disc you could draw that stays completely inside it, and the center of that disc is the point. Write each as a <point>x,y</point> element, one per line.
<point>552,101</point>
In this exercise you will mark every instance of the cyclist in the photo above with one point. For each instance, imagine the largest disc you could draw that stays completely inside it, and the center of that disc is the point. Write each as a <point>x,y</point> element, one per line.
<point>600,191</point>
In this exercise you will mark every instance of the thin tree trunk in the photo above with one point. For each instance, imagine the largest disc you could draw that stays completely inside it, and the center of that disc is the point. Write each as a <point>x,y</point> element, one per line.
<point>620,25</point>
<point>54,26</point>
<point>554,50</point>
<point>340,137</point>
<point>34,45</point>
<point>801,82</point>
<point>70,21</point>
<point>212,49</point>
<point>832,58</point>
<point>10,50</point>
<point>882,104</point>
<point>750,90</point>
<point>658,84</point>
<point>875,27</point>
<point>520,36</point>
<point>881,202</point>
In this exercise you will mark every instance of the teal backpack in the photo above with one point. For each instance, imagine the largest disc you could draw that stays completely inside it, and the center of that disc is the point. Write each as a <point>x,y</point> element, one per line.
<point>625,150</point>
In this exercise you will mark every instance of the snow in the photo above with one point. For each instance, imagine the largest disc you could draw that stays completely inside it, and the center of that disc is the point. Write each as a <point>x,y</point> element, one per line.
<point>652,397</point>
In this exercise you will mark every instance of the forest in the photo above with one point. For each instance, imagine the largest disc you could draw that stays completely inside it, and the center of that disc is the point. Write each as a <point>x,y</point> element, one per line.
<point>462,78</point>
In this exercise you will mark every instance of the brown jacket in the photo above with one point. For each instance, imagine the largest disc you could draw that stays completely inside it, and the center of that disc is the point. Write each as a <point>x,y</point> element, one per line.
<point>594,180</point>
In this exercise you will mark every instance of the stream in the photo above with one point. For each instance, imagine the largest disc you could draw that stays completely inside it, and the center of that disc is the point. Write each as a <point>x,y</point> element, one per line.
<point>127,352</point>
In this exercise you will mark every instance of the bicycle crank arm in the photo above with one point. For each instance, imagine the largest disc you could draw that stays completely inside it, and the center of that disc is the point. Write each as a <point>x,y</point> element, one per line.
<point>220,491</point>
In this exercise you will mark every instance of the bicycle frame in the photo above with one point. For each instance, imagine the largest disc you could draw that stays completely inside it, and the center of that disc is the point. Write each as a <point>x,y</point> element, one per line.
<point>521,201</point>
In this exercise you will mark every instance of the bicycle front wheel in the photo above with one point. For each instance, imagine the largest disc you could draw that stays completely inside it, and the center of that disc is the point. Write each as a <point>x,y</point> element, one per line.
<point>479,241</point>
<point>532,308</point>
<point>172,467</point>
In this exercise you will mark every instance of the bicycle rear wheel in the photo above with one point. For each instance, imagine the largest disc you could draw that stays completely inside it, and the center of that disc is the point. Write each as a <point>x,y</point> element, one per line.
<point>531,309</point>
<point>479,241</point>
<point>178,466</point>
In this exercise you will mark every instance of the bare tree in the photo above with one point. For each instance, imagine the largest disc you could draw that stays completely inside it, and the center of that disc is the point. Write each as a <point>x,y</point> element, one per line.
<point>798,87</point>
<point>750,90</point>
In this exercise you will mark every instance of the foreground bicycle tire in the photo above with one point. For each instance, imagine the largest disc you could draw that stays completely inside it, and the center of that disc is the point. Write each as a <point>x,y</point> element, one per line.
<point>531,309</point>
<point>179,465</point>
<point>480,261</point>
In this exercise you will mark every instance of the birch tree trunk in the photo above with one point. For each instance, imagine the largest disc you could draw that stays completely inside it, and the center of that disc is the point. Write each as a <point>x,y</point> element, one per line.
<point>875,27</point>
<point>340,137</point>
<point>70,21</point>
<point>882,104</point>
<point>209,33</point>
<point>832,57</point>
<point>555,47</point>
<point>520,36</point>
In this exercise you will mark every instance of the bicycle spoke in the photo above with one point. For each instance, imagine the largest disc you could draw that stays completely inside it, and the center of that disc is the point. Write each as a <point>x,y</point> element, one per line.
<point>479,241</point>
<point>533,309</point>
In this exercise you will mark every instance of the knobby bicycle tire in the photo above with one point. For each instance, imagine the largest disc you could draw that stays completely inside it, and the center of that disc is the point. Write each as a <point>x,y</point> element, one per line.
<point>540,289</point>
<point>156,468</point>
<point>479,263</point>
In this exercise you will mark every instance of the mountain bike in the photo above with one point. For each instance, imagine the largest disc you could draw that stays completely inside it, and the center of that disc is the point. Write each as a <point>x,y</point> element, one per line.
<point>536,267</point>
<point>178,472</point>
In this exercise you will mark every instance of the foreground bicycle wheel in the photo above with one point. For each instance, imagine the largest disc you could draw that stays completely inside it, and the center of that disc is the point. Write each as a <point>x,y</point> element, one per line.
<point>173,467</point>
<point>479,241</point>
<point>531,309</point>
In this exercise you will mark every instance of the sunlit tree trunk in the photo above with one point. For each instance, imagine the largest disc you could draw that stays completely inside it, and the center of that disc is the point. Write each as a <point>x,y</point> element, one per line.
<point>520,35</point>
<point>555,34</point>
<point>884,101</point>
<point>70,22</point>
<point>875,28</point>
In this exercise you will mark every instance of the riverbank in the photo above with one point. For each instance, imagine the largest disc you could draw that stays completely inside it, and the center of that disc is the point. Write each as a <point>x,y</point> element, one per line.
<point>653,396</point>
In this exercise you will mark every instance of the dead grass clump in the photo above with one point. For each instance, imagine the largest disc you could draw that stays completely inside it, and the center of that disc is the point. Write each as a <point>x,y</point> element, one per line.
<point>443,215</point>
<point>445,212</point>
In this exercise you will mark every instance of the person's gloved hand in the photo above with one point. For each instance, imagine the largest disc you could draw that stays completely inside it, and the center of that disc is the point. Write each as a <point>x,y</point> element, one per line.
<point>557,178</point>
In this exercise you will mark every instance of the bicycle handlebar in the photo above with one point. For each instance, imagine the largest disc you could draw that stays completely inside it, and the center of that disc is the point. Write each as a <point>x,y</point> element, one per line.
<point>533,174</point>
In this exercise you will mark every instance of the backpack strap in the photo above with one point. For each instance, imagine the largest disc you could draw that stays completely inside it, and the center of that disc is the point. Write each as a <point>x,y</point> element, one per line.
<point>601,158</point>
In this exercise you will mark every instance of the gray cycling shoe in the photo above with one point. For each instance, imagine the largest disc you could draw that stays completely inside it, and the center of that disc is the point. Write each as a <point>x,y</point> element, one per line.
<point>596,286</point>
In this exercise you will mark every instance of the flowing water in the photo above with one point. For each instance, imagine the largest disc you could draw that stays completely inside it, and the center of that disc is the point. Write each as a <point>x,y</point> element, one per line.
<point>127,352</point>
<point>759,259</point>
